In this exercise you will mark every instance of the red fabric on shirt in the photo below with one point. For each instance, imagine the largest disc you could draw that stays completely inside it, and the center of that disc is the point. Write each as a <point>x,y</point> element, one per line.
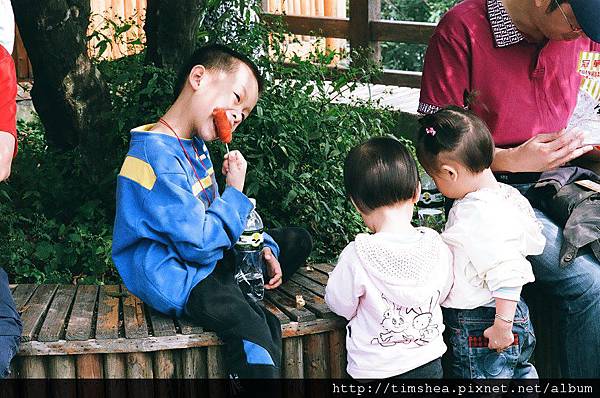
<point>8,95</point>
<point>520,90</point>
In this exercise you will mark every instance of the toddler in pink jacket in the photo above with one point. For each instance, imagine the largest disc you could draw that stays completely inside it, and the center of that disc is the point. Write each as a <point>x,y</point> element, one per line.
<point>389,284</point>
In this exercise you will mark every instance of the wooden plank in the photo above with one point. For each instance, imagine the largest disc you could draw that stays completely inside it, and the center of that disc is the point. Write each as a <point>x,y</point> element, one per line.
<point>134,319</point>
<point>161,324</point>
<point>22,294</point>
<point>215,363</point>
<point>288,306</point>
<point>314,26</point>
<point>62,367</point>
<point>114,366</point>
<point>313,302</point>
<point>187,326</point>
<point>107,324</point>
<point>115,371</point>
<point>164,364</point>
<point>32,367</point>
<point>337,354</point>
<point>402,31</point>
<point>283,318</point>
<point>89,366</point>
<point>293,364</point>
<point>139,365</point>
<point>315,275</point>
<point>193,363</point>
<point>82,314</point>
<point>311,285</point>
<point>32,316</point>
<point>150,344</point>
<point>54,324</point>
<point>400,78</point>
<point>326,268</point>
<point>316,356</point>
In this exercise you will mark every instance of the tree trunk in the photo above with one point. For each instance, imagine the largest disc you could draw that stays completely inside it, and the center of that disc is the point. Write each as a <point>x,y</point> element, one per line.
<point>171,28</point>
<point>69,93</point>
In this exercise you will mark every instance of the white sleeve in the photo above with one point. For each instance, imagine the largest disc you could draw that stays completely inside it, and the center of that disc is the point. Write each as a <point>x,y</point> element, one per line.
<point>7,26</point>
<point>344,288</point>
<point>446,265</point>
<point>492,242</point>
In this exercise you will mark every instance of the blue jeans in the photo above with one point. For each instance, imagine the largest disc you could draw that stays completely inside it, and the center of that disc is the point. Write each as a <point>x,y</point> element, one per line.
<point>469,358</point>
<point>10,326</point>
<point>576,289</point>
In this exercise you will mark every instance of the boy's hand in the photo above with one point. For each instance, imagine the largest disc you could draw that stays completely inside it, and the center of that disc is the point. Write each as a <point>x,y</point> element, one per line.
<point>273,269</point>
<point>234,167</point>
<point>500,336</point>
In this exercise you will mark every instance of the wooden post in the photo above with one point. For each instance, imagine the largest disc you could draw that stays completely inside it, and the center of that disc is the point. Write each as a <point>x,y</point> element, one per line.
<point>115,371</point>
<point>62,367</point>
<point>361,13</point>
<point>337,354</point>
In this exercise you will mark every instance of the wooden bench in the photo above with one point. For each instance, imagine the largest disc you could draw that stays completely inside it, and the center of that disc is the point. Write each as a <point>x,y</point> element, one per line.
<point>95,332</point>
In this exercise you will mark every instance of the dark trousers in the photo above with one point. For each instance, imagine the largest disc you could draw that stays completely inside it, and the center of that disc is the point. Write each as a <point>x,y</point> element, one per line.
<point>252,335</point>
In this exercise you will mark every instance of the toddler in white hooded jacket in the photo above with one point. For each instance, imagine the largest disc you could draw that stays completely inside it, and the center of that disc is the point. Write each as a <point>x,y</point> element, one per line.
<point>389,284</point>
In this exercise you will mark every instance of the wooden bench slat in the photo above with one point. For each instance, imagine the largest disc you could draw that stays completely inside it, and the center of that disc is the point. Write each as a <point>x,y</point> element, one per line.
<point>82,314</point>
<point>187,326</point>
<point>326,268</point>
<point>22,294</point>
<point>35,309</point>
<point>161,324</point>
<point>311,285</point>
<point>134,318</point>
<point>314,275</point>
<point>283,318</point>
<point>107,324</point>
<point>313,302</point>
<point>54,324</point>
<point>288,306</point>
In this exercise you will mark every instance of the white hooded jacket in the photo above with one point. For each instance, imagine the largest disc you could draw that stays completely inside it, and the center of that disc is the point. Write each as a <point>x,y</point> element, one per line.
<point>389,287</point>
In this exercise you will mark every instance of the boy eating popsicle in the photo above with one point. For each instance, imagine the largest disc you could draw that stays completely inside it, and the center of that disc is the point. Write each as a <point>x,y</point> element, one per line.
<point>173,229</point>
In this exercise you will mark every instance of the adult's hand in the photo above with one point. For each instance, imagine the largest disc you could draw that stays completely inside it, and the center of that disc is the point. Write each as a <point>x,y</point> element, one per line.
<point>542,152</point>
<point>273,269</point>
<point>7,149</point>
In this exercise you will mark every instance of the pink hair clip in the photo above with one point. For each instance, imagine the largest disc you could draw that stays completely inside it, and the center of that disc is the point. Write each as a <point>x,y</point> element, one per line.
<point>430,130</point>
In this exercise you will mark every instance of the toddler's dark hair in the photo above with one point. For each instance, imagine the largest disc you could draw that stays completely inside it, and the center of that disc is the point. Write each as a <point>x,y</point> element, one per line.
<point>380,172</point>
<point>216,57</point>
<point>457,131</point>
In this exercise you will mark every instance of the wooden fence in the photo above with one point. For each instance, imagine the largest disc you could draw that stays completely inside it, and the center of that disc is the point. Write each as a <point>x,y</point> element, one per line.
<point>324,18</point>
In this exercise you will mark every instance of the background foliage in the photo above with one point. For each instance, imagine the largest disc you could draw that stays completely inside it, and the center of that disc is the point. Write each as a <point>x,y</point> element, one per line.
<point>58,228</point>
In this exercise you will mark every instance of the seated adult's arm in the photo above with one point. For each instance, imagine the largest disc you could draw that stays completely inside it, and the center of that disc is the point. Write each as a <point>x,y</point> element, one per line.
<point>542,152</point>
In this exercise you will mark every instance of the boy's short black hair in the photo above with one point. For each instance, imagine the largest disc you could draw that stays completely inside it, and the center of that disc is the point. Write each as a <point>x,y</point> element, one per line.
<point>216,57</point>
<point>380,172</point>
<point>457,131</point>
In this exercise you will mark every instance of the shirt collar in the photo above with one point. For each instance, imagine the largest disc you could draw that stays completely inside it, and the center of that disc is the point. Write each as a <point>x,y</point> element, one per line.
<point>503,28</point>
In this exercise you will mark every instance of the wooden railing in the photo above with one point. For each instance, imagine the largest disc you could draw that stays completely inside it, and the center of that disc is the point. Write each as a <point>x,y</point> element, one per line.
<point>363,29</point>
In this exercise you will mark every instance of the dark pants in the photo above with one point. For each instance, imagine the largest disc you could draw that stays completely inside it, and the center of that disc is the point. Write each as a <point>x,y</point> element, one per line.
<point>10,326</point>
<point>252,335</point>
<point>431,370</point>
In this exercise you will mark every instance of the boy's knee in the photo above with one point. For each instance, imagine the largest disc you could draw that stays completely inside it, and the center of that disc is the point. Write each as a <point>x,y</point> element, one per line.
<point>9,345</point>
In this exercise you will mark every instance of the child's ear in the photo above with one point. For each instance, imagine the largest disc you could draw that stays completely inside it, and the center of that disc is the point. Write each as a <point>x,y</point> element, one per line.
<point>195,77</point>
<point>449,172</point>
<point>417,194</point>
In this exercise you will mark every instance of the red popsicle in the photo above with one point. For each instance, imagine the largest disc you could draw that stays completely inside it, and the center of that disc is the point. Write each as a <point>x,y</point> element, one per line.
<point>223,125</point>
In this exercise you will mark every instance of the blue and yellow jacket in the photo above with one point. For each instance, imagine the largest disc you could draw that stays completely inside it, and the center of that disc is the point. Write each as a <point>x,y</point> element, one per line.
<point>167,238</point>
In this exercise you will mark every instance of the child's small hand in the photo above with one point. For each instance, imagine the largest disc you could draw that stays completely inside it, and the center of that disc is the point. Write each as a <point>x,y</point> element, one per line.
<point>234,167</point>
<point>500,336</point>
<point>273,269</point>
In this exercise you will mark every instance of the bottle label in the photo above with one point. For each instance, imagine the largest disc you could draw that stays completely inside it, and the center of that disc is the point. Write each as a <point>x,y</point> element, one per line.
<point>250,240</point>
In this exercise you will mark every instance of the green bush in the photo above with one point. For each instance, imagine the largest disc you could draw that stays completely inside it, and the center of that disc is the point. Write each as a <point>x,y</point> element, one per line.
<point>57,227</point>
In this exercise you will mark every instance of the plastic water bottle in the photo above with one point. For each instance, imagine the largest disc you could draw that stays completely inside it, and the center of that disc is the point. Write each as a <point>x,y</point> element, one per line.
<point>430,205</point>
<point>249,262</point>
